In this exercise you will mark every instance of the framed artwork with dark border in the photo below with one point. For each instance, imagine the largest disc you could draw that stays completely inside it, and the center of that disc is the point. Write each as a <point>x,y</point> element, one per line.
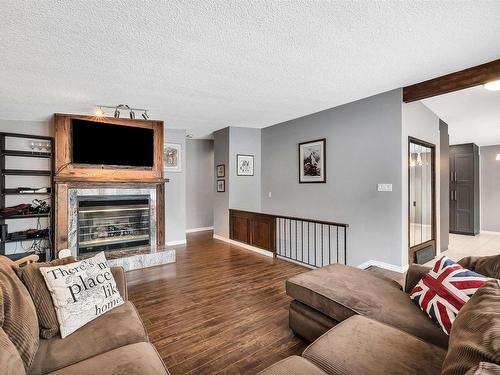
<point>221,186</point>
<point>221,170</point>
<point>244,165</point>
<point>312,161</point>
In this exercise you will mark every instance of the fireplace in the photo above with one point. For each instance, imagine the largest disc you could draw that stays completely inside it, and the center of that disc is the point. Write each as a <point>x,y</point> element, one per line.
<point>112,222</point>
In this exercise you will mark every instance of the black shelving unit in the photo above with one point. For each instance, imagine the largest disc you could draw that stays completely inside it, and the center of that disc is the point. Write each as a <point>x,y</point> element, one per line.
<point>12,191</point>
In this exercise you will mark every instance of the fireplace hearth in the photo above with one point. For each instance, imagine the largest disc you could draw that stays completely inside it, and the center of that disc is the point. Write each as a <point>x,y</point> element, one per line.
<point>112,222</point>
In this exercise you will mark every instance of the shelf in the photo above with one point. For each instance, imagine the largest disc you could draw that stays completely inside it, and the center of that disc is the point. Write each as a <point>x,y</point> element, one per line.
<point>15,192</point>
<point>26,136</point>
<point>25,172</point>
<point>23,216</point>
<point>17,256</point>
<point>27,154</point>
<point>26,239</point>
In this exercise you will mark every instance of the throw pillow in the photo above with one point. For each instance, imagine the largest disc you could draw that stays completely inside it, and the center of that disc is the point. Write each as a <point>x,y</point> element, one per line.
<point>444,290</point>
<point>35,283</point>
<point>475,335</point>
<point>81,291</point>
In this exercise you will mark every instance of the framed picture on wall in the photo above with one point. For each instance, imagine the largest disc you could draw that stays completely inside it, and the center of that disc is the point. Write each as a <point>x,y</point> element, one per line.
<point>221,186</point>
<point>312,161</point>
<point>221,170</point>
<point>244,165</point>
<point>172,157</point>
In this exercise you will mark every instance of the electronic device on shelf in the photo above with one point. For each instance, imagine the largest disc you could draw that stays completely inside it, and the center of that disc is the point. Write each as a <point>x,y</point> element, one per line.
<point>28,234</point>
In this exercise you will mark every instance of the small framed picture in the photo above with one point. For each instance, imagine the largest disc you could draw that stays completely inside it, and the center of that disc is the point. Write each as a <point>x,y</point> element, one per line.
<point>312,162</point>
<point>244,165</point>
<point>172,157</point>
<point>221,186</point>
<point>221,170</point>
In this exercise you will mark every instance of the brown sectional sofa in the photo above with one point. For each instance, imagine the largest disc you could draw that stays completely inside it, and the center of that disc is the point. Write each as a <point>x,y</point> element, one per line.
<point>364,323</point>
<point>115,343</point>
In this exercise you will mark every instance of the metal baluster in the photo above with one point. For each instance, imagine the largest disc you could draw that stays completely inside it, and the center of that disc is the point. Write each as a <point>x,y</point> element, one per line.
<point>345,245</point>
<point>337,244</point>
<point>322,245</point>
<point>329,245</point>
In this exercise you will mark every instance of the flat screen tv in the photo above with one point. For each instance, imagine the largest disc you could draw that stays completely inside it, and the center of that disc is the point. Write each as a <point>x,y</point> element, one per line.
<point>110,144</point>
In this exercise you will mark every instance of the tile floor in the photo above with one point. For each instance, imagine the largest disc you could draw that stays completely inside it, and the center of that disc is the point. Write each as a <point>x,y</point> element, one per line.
<point>461,246</point>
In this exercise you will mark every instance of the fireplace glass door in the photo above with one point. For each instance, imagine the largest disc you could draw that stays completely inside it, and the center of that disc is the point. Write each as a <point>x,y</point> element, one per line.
<point>113,222</point>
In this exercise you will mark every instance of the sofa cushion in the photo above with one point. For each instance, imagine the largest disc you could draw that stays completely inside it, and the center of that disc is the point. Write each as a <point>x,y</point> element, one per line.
<point>360,345</point>
<point>444,291</point>
<point>293,365</point>
<point>135,359</point>
<point>487,266</point>
<point>340,292</point>
<point>81,291</point>
<point>10,361</point>
<point>35,283</point>
<point>475,335</point>
<point>484,368</point>
<point>118,327</point>
<point>17,312</point>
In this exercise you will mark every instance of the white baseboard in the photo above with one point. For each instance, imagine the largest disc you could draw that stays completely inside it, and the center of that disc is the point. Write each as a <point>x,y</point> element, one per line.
<point>173,243</point>
<point>490,232</point>
<point>387,266</point>
<point>192,230</point>
<point>245,246</point>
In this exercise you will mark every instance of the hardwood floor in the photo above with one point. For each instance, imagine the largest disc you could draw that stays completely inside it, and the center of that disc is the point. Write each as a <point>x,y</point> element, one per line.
<point>218,309</point>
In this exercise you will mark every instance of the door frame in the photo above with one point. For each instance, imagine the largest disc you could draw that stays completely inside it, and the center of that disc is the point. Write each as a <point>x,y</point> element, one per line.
<point>433,241</point>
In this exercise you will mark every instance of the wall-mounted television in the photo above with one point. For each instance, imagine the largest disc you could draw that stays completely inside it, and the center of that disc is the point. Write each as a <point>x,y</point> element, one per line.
<point>98,143</point>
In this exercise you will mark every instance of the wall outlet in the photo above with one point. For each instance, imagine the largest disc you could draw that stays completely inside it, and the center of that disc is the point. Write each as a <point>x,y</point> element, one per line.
<point>384,187</point>
<point>270,195</point>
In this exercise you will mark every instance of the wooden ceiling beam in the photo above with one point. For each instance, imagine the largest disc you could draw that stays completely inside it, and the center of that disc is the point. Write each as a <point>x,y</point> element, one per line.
<point>475,76</point>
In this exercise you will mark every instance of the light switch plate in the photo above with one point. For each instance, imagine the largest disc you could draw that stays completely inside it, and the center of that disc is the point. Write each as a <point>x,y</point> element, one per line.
<point>384,187</point>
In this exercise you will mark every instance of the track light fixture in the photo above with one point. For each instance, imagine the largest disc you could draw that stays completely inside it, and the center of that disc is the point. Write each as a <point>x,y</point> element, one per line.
<point>120,107</point>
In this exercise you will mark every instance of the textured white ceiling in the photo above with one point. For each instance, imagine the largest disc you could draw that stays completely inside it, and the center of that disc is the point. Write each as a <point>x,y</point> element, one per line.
<point>472,115</point>
<point>203,65</point>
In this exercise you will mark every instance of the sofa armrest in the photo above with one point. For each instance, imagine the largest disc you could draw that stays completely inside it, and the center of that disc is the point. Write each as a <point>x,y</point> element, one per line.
<point>121,281</point>
<point>413,276</point>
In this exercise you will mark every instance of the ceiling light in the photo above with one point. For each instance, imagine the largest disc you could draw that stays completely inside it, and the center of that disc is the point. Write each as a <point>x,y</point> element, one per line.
<point>498,157</point>
<point>117,113</point>
<point>493,86</point>
<point>132,115</point>
<point>99,112</point>
<point>145,115</point>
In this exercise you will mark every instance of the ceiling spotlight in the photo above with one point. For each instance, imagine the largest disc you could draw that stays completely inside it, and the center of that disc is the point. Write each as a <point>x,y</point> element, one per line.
<point>145,115</point>
<point>132,115</point>
<point>99,112</point>
<point>493,86</point>
<point>189,136</point>
<point>117,113</point>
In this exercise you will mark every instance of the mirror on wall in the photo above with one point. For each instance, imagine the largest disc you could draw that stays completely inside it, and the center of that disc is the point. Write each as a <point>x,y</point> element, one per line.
<point>421,195</point>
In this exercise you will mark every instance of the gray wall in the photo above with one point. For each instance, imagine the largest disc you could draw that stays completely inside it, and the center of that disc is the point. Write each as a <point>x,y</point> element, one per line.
<point>490,188</point>
<point>245,190</point>
<point>221,200</point>
<point>444,144</point>
<point>364,143</point>
<point>199,177</point>
<point>175,192</point>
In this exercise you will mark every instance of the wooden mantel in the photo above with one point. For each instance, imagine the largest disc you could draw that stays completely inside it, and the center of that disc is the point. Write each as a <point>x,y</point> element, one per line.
<point>69,176</point>
<point>67,171</point>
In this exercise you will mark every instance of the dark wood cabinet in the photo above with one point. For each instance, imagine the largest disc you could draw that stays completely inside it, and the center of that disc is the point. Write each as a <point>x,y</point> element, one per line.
<point>464,189</point>
<point>253,229</point>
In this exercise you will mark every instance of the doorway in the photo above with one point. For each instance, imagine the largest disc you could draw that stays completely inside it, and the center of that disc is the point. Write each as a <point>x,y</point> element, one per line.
<point>421,201</point>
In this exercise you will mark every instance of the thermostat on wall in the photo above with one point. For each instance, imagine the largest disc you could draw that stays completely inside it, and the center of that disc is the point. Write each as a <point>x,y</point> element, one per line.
<point>384,187</point>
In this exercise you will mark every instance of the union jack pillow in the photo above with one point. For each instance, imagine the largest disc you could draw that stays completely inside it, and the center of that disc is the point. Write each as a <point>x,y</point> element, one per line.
<point>444,290</point>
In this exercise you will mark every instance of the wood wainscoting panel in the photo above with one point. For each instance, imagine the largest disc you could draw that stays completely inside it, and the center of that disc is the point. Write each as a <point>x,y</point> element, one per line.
<point>253,228</point>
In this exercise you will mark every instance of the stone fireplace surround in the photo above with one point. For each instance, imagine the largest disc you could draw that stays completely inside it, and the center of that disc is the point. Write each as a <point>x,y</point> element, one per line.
<point>74,194</point>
